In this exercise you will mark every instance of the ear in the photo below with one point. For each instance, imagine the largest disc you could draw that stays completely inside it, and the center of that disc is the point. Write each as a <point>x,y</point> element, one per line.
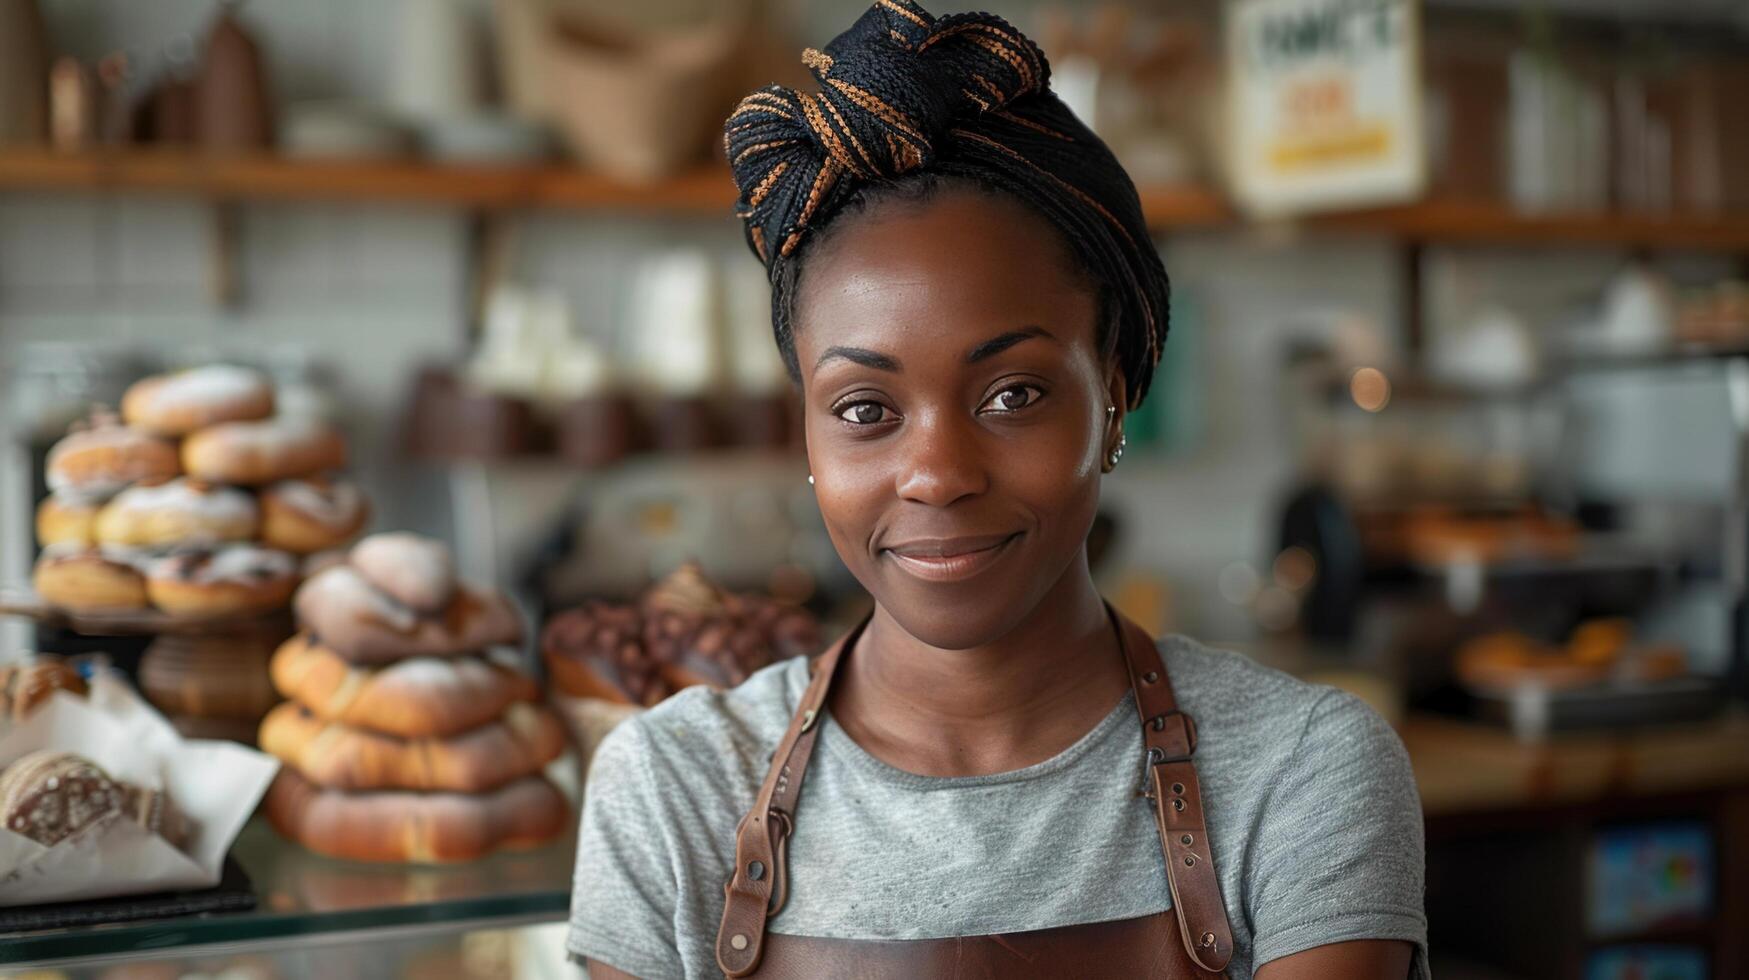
<point>1117,390</point>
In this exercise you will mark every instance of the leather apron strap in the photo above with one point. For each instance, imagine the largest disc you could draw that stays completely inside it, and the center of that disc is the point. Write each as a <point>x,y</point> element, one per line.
<point>757,889</point>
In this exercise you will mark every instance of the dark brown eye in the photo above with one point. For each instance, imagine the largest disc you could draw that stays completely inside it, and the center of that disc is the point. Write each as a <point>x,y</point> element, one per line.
<point>863,413</point>
<point>1012,398</point>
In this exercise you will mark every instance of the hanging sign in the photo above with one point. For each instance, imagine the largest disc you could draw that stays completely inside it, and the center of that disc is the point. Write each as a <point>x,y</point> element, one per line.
<point>1324,100</point>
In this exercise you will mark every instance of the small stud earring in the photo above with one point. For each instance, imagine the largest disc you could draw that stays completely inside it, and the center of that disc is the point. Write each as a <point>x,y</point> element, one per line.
<point>810,479</point>
<point>1110,413</point>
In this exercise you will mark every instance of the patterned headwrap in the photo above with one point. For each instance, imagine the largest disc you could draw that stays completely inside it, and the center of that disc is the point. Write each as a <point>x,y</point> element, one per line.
<point>964,95</point>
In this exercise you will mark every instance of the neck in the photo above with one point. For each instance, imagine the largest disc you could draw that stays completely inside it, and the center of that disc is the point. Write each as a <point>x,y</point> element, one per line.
<point>1018,700</point>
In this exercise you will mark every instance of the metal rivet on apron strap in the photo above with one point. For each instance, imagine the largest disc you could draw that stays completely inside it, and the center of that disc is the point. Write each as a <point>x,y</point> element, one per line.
<point>756,869</point>
<point>738,941</point>
<point>1150,677</point>
<point>1208,939</point>
<point>1185,840</point>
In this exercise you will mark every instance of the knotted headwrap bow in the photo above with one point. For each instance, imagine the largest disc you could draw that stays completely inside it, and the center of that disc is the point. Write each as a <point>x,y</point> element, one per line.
<point>965,95</point>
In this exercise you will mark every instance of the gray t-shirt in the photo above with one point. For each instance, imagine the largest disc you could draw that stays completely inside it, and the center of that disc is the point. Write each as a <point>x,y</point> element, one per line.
<point>1311,807</point>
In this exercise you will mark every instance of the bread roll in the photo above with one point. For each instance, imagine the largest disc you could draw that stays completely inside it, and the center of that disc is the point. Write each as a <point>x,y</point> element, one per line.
<point>341,757</point>
<point>311,515</point>
<point>357,620</point>
<point>66,520</point>
<point>227,581</point>
<point>416,572</point>
<point>421,828</point>
<point>254,453</point>
<point>86,580</point>
<point>180,512</point>
<point>180,402</point>
<point>96,463</point>
<point>418,698</point>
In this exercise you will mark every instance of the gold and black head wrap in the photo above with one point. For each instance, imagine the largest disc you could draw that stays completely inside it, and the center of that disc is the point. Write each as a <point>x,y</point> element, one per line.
<point>904,95</point>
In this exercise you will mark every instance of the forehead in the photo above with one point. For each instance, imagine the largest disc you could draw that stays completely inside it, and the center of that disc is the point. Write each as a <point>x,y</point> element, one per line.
<point>951,269</point>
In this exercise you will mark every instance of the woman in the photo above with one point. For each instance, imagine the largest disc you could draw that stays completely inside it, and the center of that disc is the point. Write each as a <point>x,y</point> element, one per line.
<point>1003,777</point>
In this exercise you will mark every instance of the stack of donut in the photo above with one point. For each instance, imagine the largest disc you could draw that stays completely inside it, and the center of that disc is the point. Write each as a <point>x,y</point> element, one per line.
<point>198,501</point>
<point>406,739</point>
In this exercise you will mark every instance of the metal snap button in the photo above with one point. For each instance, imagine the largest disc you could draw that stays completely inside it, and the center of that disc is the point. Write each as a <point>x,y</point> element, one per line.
<point>1208,939</point>
<point>1178,788</point>
<point>1150,677</point>
<point>1185,840</point>
<point>738,941</point>
<point>1178,805</point>
<point>1190,860</point>
<point>755,870</point>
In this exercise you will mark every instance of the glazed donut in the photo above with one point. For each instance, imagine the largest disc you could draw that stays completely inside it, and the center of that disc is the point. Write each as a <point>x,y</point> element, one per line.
<point>423,828</point>
<point>98,462</point>
<point>87,580</point>
<point>416,572</point>
<point>181,512</point>
<point>227,581</point>
<point>419,698</point>
<point>480,759</point>
<point>253,453</point>
<point>307,516</point>
<point>367,626</point>
<point>180,402</point>
<point>63,520</point>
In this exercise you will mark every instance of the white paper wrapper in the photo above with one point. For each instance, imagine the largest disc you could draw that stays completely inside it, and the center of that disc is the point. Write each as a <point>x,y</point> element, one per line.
<point>216,784</point>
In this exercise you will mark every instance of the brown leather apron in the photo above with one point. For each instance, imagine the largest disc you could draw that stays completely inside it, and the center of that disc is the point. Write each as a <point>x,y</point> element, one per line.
<point>1190,940</point>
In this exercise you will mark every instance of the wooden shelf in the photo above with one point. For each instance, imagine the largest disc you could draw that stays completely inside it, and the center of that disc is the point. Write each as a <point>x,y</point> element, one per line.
<point>709,193</point>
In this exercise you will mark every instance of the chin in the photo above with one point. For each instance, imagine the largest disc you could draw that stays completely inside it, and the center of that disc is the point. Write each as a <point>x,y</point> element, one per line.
<point>959,616</point>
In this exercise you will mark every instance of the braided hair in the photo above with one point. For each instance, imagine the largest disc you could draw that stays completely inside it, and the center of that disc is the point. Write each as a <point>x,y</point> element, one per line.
<point>909,104</point>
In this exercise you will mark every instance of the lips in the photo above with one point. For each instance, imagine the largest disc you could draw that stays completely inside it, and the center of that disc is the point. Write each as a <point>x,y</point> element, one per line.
<point>949,559</point>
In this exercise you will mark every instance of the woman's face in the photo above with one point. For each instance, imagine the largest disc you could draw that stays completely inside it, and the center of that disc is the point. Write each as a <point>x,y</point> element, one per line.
<point>955,403</point>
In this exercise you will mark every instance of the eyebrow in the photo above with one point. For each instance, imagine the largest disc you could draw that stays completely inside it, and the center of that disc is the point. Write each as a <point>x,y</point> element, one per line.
<point>860,355</point>
<point>996,345</point>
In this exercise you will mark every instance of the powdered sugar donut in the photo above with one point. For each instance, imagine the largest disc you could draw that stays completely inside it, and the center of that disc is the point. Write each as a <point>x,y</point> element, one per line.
<point>86,580</point>
<point>417,572</point>
<point>180,512</point>
<point>367,626</point>
<point>223,582</point>
<point>66,520</point>
<point>253,453</point>
<point>95,463</point>
<point>307,516</point>
<point>180,402</point>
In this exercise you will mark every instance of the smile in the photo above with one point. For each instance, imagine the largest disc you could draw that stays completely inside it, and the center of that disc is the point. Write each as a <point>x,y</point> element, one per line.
<point>950,559</point>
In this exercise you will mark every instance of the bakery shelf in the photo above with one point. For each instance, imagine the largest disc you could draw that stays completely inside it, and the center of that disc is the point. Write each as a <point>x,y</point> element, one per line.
<point>304,897</point>
<point>707,192</point>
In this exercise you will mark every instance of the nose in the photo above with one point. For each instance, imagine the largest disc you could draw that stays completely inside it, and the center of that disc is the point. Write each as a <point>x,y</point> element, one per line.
<point>941,461</point>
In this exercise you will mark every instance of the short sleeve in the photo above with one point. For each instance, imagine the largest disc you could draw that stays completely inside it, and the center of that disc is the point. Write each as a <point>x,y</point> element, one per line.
<point>1341,854</point>
<point>624,891</point>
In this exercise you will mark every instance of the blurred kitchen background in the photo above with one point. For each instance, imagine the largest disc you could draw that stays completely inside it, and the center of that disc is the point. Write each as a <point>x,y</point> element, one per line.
<point>1453,411</point>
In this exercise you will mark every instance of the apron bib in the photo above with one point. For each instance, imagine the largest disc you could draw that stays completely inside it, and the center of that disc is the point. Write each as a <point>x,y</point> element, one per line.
<point>1190,941</point>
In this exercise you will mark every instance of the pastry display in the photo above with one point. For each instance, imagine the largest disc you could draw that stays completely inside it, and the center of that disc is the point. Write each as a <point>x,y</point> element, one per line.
<point>518,744</point>
<point>100,458</point>
<point>89,580</point>
<point>256,453</point>
<point>24,687</point>
<point>684,631</point>
<point>421,697</point>
<point>225,581</point>
<point>310,515</point>
<point>366,625</point>
<point>415,827</point>
<point>1597,650</point>
<point>406,737</point>
<point>182,402</point>
<point>67,520</point>
<point>178,512</point>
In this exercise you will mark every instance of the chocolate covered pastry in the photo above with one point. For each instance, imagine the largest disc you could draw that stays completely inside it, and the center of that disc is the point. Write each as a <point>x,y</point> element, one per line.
<point>685,631</point>
<point>49,796</point>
